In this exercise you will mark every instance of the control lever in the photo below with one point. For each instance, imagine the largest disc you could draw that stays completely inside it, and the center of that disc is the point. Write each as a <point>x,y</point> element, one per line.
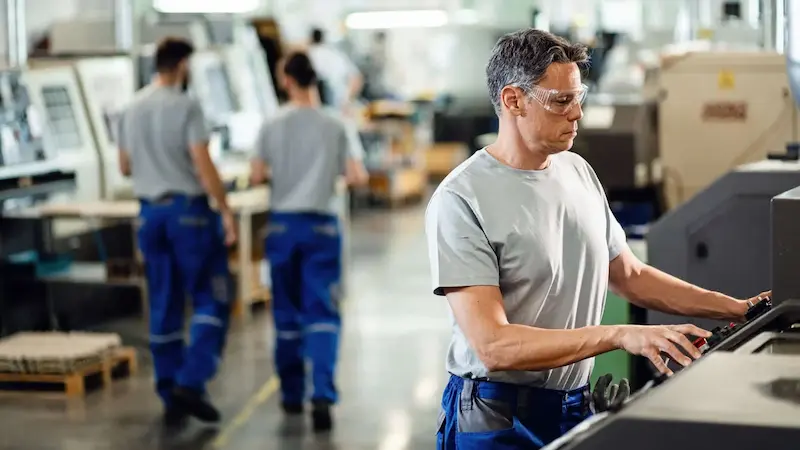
<point>719,334</point>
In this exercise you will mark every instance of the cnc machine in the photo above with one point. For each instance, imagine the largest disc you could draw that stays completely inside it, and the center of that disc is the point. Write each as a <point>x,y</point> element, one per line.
<point>718,110</point>
<point>55,91</point>
<point>107,86</point>
<point>743,393</point>
<point>713,239</point>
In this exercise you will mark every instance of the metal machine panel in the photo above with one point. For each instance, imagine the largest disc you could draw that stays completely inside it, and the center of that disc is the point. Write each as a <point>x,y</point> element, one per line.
<point>742,393</point>
<point>720,239</point>
<point>55,93</point>
<point>618,139</point>
<point>786,246</point>
<point>695,410</point>
<point>251,85</point>
<point>251,79</point>
<point>108,86</point>
<point>212,85</point>
<point>719,110</point>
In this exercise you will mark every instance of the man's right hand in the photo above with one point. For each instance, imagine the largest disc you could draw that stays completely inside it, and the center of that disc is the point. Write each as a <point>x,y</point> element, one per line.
<point>229,225</point>
<point>651,341</point>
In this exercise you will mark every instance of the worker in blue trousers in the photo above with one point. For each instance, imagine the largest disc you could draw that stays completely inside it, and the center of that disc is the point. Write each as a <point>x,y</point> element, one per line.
<point>303,151</point>
<point>524,247</point>
<point>163,146</point>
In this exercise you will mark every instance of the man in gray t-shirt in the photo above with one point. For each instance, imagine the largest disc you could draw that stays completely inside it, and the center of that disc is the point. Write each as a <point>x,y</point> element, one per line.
<point>163,146</point>
<point>523,245</point>
<point>306,150</point>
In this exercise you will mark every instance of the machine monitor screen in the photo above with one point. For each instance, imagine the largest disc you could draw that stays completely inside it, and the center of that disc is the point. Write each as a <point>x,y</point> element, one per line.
<point>732,10</point>
<point>219,86</point>
<point>61,117</point>
<point>20,129</point>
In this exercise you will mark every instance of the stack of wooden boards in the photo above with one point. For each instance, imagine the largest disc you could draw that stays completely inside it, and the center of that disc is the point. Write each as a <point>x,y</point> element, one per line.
<point>28,359</point>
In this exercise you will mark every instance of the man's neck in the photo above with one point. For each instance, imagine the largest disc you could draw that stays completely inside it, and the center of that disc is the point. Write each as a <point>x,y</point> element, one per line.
<point>510,149</point>
<point>305,98</point>
<point>166,80</point>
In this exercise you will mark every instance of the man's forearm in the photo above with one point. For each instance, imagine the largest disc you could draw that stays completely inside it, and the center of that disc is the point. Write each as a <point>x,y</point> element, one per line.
<point>653,289</point>
<point>519,347</point>
<point>212,183</point>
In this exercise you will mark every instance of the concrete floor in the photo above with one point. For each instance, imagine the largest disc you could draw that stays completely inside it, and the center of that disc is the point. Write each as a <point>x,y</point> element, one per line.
<point>390,377</point>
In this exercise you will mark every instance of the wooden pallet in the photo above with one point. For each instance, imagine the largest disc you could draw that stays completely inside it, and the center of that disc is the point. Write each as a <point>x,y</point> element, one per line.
<point>74,384</point>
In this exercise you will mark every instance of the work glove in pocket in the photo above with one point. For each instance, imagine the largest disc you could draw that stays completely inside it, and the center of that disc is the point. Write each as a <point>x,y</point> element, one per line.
<point>608,396</point>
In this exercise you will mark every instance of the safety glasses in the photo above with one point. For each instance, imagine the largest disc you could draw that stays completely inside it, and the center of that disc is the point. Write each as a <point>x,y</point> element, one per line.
<point>559,102</point>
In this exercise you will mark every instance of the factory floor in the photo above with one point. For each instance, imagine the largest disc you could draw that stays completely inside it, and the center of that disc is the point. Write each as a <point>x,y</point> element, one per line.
<point>390,375</point>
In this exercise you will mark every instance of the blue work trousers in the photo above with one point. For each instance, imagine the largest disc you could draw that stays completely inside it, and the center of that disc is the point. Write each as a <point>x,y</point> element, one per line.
<point>185,255</point>
<point>485,415</point>
<point>304,252</point>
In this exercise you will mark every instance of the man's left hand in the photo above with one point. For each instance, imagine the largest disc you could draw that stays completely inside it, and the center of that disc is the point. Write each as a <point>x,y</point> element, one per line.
<point>745,305</point>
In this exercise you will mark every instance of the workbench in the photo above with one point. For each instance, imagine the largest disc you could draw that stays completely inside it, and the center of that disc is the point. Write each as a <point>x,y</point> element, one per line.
<point>245,205</point>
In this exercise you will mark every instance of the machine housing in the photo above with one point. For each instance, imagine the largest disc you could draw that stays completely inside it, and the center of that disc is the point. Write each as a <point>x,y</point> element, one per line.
<point>720,109</point>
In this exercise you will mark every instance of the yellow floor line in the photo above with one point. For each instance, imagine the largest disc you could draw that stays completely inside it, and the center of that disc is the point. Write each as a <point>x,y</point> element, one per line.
<point>263,394</point>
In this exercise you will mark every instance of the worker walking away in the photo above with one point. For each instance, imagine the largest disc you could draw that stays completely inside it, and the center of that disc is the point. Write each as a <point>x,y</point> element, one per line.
<point>306,150</point>
<point>341,80</point>
<point>163,139</point>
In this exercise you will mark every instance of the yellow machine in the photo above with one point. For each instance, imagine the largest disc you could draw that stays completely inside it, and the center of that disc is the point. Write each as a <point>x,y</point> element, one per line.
<point>718,110</point>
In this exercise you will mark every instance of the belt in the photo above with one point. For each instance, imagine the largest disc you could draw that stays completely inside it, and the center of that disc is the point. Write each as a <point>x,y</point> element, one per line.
<point>521,398</point>
<point>170,197</point>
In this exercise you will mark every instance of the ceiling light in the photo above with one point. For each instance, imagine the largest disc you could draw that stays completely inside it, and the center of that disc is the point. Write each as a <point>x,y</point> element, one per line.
<point>396,19</point>
<point>206,6</point>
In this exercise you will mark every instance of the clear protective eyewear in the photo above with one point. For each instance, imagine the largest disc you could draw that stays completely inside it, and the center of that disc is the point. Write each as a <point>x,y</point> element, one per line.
<point>559,102</point>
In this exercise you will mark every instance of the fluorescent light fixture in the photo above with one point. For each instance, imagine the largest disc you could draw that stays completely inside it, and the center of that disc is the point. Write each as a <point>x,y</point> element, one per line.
<point>396,19</point>
<point>466,17</point>
<point>206,6</point>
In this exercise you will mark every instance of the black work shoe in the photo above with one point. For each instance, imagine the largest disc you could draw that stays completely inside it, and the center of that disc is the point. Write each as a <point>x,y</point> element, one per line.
<point>193,402</point>
<point>321,416</point>
<point>175,418</point>
<point>292,408</point>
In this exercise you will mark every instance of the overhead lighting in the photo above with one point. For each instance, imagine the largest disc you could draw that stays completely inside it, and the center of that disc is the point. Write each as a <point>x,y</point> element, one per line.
<point>466,17</point>
<point>396,19</point>
<point>206,6</point>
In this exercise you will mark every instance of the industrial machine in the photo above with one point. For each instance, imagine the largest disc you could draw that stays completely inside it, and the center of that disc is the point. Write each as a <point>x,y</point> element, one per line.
<point>250,73</point>
<point>713,239</point>
<point>34,172</point>
<point>107,86</point>
<point>785,241</point>
<point>744,392</point>
<point>234,131</point>
<point>55,93</point>
<point>618,137</point>
<point>720,109</point>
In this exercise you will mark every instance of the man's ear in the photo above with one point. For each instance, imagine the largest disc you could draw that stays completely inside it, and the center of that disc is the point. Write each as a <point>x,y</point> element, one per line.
<point>513,99</point>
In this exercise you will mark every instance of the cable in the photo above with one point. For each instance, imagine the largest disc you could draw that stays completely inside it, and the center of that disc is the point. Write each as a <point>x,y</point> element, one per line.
<point>742,157</point>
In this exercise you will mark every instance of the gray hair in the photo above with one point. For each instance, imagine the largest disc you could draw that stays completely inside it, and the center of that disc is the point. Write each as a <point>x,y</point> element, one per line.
<point>522,58</point>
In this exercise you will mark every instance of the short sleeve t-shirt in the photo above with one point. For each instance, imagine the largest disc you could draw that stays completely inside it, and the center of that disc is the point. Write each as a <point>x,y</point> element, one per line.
<point>157,130</point>
<point>307,150</point>
<point>334,68</point>
<point>544,237</point>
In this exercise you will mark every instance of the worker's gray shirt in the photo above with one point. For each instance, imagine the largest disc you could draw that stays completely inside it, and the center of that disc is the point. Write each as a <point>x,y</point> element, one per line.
<point>307,151</point>
<point>156,130</point>
<point>544,237</point>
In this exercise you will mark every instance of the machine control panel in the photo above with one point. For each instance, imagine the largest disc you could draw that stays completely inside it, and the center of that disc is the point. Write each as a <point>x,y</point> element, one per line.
<point>719,334</point>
